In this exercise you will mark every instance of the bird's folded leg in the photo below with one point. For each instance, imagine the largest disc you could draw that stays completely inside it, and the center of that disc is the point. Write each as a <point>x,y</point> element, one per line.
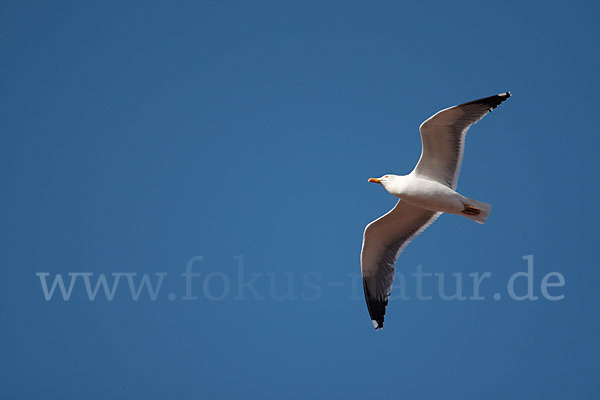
<point>470,210</point>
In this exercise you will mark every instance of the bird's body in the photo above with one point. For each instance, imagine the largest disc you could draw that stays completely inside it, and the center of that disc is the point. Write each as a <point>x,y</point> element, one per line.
<point>424,194</point>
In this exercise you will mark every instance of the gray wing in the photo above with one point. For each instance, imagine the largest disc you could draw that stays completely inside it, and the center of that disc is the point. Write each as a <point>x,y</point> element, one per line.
<point>383,241</point>
<point>443,137</point>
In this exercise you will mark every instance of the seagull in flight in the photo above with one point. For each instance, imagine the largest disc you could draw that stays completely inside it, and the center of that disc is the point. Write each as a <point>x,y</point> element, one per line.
<point>424,194</point>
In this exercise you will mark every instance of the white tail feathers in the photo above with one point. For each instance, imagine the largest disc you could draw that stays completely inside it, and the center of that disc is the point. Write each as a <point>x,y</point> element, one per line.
<point>483,208</point>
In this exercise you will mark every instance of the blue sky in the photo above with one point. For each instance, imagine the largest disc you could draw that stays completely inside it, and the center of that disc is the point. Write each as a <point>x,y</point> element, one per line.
<point>138,135</point>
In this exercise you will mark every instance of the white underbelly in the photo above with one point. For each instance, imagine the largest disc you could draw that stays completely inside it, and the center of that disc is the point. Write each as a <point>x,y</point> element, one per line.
<point>432,196</point>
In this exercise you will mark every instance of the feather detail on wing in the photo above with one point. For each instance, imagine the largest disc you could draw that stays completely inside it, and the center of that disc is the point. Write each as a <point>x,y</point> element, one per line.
<point>443,137</point>
<point>383,241</point>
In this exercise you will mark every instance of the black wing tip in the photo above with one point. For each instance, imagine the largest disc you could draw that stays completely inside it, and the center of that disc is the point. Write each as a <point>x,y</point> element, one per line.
<point>376,307</point>
<point>377,317</point>
<point>499,99</point>
<point>491,102</point>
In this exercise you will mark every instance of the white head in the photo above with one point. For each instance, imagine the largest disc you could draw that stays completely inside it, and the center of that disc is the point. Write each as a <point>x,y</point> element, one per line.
<point>385,180</point>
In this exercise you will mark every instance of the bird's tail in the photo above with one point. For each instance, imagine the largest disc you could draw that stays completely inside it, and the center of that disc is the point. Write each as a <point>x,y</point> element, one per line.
<point>478,211</point>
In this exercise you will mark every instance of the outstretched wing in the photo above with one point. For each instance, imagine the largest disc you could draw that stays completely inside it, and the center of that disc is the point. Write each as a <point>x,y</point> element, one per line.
<point>443,137</point>
<point>383,241</point>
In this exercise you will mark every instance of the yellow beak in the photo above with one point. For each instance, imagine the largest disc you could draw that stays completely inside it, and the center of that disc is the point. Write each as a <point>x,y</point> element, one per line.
<point>375,180</point>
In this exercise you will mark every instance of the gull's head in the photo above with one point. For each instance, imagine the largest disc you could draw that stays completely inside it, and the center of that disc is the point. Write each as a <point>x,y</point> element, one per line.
<point>384,180</point>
